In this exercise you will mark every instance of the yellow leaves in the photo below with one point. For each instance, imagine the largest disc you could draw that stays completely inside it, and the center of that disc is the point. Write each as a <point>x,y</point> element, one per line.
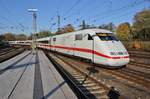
<point>123,31</point>
<point>66,29</point>
<point>69,28</point>
<point>136,45</point>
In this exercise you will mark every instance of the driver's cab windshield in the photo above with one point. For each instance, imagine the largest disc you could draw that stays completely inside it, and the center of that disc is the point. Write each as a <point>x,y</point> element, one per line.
<point>107,36</point>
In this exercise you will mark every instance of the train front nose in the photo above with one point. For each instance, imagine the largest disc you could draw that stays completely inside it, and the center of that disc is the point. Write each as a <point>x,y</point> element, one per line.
<point>118,54</point>
<point>118,61</point>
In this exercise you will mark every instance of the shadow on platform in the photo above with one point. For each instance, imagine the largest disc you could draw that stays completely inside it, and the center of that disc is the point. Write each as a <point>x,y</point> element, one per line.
<point>17,66</point>
<point>54,90</point>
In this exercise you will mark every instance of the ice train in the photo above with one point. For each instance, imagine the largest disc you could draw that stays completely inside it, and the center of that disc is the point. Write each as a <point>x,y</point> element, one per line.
<point>98,45</point>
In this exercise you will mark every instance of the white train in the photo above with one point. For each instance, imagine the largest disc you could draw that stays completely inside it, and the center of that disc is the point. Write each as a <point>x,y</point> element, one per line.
<point>27,42</point>
<point>98,45</point>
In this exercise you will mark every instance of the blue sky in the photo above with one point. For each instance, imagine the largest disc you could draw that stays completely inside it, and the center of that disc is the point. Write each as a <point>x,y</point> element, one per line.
<point>15,18</point>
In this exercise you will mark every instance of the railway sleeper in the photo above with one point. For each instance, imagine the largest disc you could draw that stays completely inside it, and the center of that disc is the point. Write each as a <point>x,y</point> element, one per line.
<point>95,88</point>
<point>103,97</point>
<point>89,85</point>
<point>98,92</point>
<point>83,78</point>
<point>87,82</point>
<point>79,77</point>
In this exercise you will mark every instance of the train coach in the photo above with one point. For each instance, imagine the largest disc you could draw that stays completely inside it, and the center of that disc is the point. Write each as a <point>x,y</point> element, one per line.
<point>98,45</point>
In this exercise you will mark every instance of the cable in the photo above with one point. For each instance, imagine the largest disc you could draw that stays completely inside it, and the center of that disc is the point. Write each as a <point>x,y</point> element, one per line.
<point>75,4</point>
<point>113,12</point>
<point>119,9</point>
<point>16,26</point>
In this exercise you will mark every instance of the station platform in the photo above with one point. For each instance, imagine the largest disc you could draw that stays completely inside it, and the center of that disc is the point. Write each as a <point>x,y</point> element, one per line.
<point>32,76</point>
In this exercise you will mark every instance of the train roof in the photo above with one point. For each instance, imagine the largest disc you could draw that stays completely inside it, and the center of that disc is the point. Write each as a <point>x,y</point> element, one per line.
<point>96,30</point>
<point>43,39</point>
<point>89,31</point>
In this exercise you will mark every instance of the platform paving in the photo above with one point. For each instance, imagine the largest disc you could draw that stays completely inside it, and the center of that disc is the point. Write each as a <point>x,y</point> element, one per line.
<point>32,78</point>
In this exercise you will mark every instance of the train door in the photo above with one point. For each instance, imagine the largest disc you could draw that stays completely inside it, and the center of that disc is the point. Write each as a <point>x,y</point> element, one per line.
<point>77,44</point>
<point>84,43</point>
<point>50,43</point>
<point>69,44</point>
<point>90,42</point>
<point>54,44</point>
<point>73,45</point>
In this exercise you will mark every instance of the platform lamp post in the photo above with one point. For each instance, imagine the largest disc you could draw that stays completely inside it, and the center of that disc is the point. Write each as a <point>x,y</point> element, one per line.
<point>34,27</point>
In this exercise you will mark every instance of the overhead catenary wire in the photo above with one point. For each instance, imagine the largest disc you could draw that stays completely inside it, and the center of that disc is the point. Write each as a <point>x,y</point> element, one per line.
<point>119,10</point>
<point>122,8</point>
<point>72,7</point>
<point>112,13</point>
<point>79,18</point>
<point>12,24</point>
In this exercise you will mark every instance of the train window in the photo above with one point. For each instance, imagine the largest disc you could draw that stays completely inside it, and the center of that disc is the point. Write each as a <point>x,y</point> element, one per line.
<point>107,36</point>
<point>90,37</point>
<point>54,39</point>
<point>46,42</point>
<point>78,37</point>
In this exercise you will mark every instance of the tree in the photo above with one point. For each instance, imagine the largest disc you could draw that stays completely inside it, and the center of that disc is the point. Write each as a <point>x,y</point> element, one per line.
<point>69,28</point>
<point>141,25</point>
<point>9,37</point>
<point>123,31</point>
<point>29,37</point>
<point>85,26</point>
<point>66,29</point>
<point>43,33</point>
<point>2,37</point>
<point>110,26</point>
<point>60,31</point>
<point>21,37</point>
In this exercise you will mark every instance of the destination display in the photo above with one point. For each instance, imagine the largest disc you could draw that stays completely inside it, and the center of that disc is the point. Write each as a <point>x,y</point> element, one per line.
<point>103,34</point>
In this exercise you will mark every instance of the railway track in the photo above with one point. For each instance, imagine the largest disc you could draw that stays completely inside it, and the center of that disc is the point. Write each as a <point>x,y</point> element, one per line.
<point>11,54</point>
<point>143,65</point>
<point>139,54</point>
<point>136,80</point>
<point>136,73</point>
<point>132,76</point>
<point>6,51</point>
<point>90,86</point>
<point>125,73</point>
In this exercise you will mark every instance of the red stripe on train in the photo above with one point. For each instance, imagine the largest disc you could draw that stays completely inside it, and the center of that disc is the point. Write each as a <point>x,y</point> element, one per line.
<point>87,51</point>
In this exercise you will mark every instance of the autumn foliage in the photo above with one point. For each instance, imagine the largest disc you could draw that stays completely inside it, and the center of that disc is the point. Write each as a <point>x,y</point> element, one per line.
<point>123,31</point>
<point>66,29</point>
<point>141,25</point>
